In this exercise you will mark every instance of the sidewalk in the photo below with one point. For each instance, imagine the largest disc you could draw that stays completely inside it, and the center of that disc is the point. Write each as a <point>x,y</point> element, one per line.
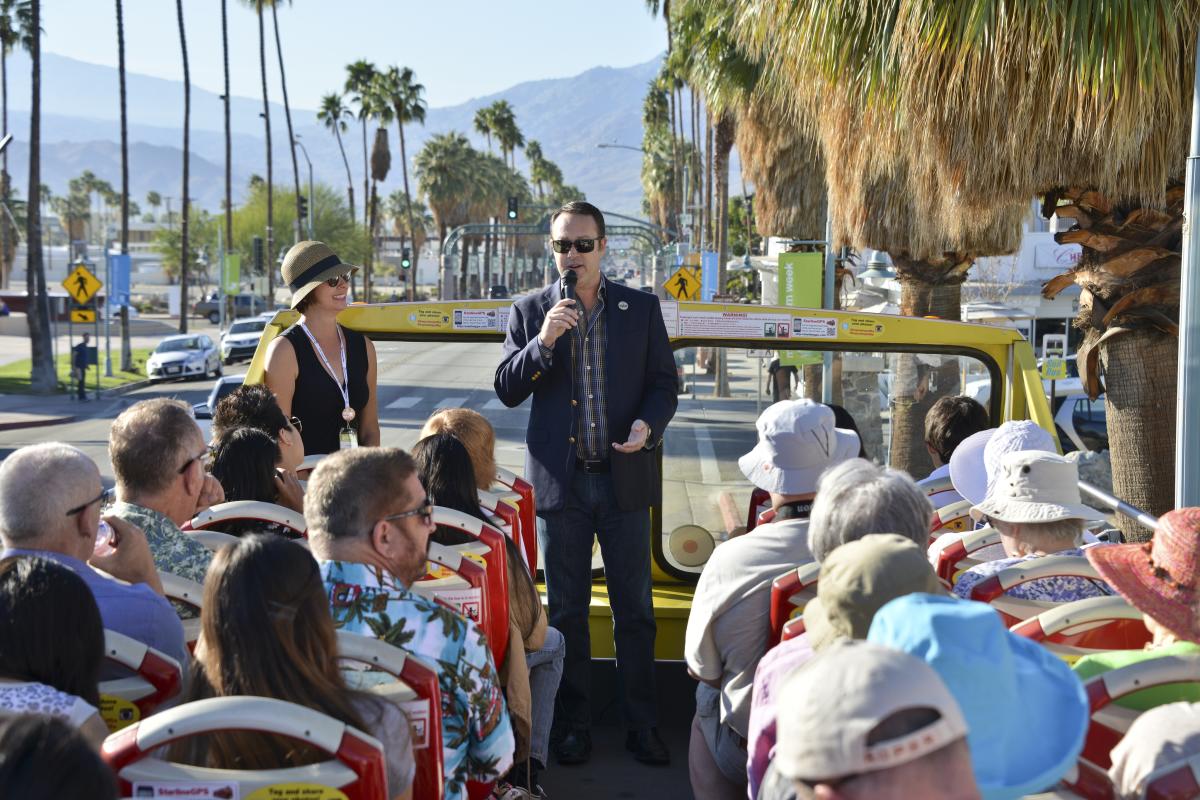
<point>18,410</point>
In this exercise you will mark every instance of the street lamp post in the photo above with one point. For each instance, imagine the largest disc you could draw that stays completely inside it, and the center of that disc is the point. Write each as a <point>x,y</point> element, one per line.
<point>311,199</point>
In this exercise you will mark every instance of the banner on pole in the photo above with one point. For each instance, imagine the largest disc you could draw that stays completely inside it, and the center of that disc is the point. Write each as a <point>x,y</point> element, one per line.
<point>800,279</point>
<point>118,270</point>
<point>232,278</point>
<point>708,276</point>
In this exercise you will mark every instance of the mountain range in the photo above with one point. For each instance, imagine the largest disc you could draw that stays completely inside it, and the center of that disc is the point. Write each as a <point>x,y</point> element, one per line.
<point>80,130</point>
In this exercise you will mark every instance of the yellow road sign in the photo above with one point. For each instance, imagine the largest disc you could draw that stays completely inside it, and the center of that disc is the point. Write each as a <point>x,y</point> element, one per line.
<point>83,315</point>
<point>82,284</point>
<point>1054,369</point>
<point>683,285</point>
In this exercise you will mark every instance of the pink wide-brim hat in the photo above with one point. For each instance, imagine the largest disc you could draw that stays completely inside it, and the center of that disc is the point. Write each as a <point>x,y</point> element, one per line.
<point>1159,577</point>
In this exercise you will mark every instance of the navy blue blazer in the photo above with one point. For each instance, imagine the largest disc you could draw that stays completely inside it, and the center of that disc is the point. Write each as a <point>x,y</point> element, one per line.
<point>641,384</point>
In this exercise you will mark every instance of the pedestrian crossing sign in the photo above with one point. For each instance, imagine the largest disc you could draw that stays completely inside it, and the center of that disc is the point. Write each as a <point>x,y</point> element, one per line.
<point>683,284</point>
<point>81,284</point>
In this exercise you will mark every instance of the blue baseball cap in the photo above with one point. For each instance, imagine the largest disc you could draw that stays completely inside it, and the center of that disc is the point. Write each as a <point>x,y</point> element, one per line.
<point>1026,710</point>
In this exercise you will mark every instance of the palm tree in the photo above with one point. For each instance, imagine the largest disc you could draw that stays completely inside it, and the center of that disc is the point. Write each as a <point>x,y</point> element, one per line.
<point>359,77</point>
<point>405,95</point>
<point>228,147</point>
<point>43,377</point>
<point>14,31</point>
<point>381,164</point>
<point>333,113</point>
<point>257,5</point>
<point>154,200</point>
<point>410,220</point>
<point>183,227</point>
<point>485,123</point>
<point>287,111</point>
<point>126,347</point>
<point>443,172</point>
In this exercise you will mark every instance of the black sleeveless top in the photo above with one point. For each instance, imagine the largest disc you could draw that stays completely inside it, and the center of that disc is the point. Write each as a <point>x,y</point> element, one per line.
<point>317,400</point>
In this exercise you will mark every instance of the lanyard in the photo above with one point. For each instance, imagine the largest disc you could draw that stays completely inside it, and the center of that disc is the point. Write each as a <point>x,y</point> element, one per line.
<point>343,388</point>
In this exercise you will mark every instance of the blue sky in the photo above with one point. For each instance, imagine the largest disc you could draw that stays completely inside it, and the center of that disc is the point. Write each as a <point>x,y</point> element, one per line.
<point>458,48</point>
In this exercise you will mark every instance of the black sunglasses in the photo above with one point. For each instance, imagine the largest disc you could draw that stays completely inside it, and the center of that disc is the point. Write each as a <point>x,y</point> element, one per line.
<point>296,423</point>
<point>105,496</point>
<point>581,245</point>
<point>425,512</point>
<point>333,282</point>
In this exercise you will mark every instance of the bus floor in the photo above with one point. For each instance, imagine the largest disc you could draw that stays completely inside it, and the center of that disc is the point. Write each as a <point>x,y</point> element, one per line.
<point>612,772</point>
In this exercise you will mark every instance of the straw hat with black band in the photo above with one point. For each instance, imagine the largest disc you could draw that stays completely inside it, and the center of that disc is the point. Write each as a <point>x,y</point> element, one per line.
<point>309,263</point>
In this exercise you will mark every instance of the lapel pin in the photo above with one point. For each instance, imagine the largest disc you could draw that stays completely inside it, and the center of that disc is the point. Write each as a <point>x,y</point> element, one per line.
<point>623,305</point>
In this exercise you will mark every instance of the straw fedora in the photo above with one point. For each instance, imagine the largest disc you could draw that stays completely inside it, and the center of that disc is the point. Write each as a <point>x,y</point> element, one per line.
<point>307,264</point>
<point>1159,577</point>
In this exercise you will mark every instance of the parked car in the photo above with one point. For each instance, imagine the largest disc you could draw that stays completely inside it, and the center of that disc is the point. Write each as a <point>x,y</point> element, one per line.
<point>241,340</point>
<point>187,356</point>
<point>1082,423</point>
<point>244,305</point>
<point>498,292</point>
<point>221,389</point>
<point>981,388</point>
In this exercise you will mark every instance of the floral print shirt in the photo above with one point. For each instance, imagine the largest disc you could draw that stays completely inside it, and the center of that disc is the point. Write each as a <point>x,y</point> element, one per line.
<point>174,551</point>
<point>477,737</point>
<point>1060,589</point>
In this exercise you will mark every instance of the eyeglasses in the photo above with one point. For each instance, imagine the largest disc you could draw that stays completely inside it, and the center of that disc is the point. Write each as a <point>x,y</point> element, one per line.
<point>424,511</point>
<point>581,245</point>
<point>333,282</point>
<point>105,497</point>
<point>296,423</point>
<point>205,459</point>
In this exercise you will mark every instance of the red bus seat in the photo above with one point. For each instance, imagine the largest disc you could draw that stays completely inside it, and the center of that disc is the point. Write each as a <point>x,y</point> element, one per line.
<point>413,686</point>
<point>460,585</point>
<point>1082,781</point>
<point>954,556</point>
<point>1110,722</point>
<point>1180,779</point>
<point>157,678</point>
<point>760,501</point>
<point>496,566</point>
<point>790,592</point>
<point>356,769</point>
<point>792,628</point>
<point>1012,610</point>
<point>247,510</point>
<point>527,509</point>
<point>954,517</point>
<point>1092,625</point>
<point>187,593</point>
<point>507,518</point>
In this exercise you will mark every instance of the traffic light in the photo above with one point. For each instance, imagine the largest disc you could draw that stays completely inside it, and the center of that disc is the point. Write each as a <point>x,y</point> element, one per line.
<point>512,207</point>
<point>258,255</point>
<point>302,205</point>
<point>406,259</point>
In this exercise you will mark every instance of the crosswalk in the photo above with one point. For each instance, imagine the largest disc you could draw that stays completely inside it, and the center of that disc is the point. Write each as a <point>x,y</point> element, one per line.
<point>433,402</point>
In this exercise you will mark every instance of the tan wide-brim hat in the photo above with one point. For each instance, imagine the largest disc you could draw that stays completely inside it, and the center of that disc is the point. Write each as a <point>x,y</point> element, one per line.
<point>309,263</point>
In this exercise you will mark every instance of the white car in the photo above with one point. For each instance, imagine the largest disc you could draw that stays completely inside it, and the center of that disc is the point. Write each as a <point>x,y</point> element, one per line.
<point>241,340</point>
<point>189,355</point>
<point>981,388</point>
<point>204,411</point>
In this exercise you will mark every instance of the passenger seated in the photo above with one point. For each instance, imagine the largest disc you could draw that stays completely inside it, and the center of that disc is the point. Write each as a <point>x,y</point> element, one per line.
<point>727,629</point>
<point>856,498</point>
<point>532,670</point>
<point>1035,506</point>
<point>45,758</point>
<point>477,435</point>
<point>245,462</point>
<point>369,523</point>
<point>844,420</point>
<point>1159,579</point>
<point>253,406</point>
<point>856,580</point>
<point>51,645</point>
<point>266,632</point>
<point>50,498</point>
<point>1026,711</point>
<point>865,721</point>
<point>950,420</point>
<point>160,459</point>
<point>1162,737</point>
<point>975,463</point>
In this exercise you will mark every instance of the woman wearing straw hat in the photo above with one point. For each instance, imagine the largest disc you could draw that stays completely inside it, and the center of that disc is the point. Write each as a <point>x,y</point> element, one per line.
<point>319,371</point>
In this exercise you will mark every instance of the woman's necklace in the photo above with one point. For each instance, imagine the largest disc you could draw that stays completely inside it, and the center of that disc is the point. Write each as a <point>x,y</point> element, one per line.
<point>347,437</point>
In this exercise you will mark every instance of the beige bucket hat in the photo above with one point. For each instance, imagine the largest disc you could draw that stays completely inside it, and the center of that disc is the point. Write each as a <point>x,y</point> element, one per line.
<point>309,263</point>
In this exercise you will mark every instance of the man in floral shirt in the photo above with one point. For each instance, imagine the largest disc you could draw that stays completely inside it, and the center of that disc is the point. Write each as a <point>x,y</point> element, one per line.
<point>369,522</point>
<point>161,461</point>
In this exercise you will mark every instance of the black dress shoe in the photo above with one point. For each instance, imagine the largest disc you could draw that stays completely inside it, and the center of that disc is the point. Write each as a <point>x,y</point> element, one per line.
<point>575,748</point>
<point>648,747</point>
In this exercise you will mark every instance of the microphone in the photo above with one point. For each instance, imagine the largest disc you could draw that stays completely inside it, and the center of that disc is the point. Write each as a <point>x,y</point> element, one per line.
<point>569,279</point>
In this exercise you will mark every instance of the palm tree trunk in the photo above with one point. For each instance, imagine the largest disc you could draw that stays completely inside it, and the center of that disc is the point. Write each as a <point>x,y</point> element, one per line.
<point>126,347</point>
<point>368,268</point>
<point>42,378</point>
<point>183,229</point>
<point>366,175</point>
<point>287,115</point>
<point>676,176</point>
<point>709,209</point>
<point>270,254</point>
<point>724,135</point>
<point>412,225</point>
<point>487,258</point>
<point>349,178</point>
<point>228,164</point>
<point>5,260</point>
<point>698,183</point>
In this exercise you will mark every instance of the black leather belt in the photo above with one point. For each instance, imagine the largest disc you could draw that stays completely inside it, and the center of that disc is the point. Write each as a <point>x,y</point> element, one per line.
<point>597,467</point>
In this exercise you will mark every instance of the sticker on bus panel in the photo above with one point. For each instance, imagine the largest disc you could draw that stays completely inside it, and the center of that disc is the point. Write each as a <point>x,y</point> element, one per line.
<point>297,791</point>
<point>734,324</point>
<point>417,712</point>
<point>476,319</point>
<point>670,312</point>
<point>862,327</point>
<point>429,318</point>
<point>815,327</point>
<point>117,712</point>
<point>219,790</point>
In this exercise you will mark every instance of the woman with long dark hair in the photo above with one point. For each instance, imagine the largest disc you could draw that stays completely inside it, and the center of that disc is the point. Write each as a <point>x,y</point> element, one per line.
<point>266,631</point>
<point>532,670</point>
<point>245,462</point>
<point>44,758</point>
<point>51,644</point>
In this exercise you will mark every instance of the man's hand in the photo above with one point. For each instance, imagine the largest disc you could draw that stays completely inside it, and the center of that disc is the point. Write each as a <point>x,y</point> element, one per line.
<point>290,493</point>
<point>637,438</point>
<point>211,494</point>
<point>562,317</point>
<point>132,561</point>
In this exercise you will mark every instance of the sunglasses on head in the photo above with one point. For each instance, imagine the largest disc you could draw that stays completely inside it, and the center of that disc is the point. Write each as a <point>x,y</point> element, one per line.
<point>333,282</point>
<point>581,245</point>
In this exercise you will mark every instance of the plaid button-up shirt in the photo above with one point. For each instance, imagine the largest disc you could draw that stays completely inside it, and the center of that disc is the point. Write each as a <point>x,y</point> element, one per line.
<point>589,342</point>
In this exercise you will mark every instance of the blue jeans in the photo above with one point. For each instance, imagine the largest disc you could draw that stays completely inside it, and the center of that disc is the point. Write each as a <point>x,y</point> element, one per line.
<point>545,672</point>
<point>624,536</point>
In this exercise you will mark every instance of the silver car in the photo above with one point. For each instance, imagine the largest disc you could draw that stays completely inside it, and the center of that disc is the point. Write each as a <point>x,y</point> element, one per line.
<point>191,355</point>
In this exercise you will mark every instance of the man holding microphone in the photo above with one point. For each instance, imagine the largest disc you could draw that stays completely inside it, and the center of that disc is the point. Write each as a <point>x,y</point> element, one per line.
<point>596,359</point>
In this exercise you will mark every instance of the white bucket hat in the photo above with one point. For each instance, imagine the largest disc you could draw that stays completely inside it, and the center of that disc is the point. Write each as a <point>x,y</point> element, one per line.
<point>797,441</point>
<point>976,460</point>
<point>1033,486</point>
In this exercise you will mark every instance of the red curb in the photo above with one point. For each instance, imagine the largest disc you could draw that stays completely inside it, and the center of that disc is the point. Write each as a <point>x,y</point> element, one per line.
<point>40,422</point>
